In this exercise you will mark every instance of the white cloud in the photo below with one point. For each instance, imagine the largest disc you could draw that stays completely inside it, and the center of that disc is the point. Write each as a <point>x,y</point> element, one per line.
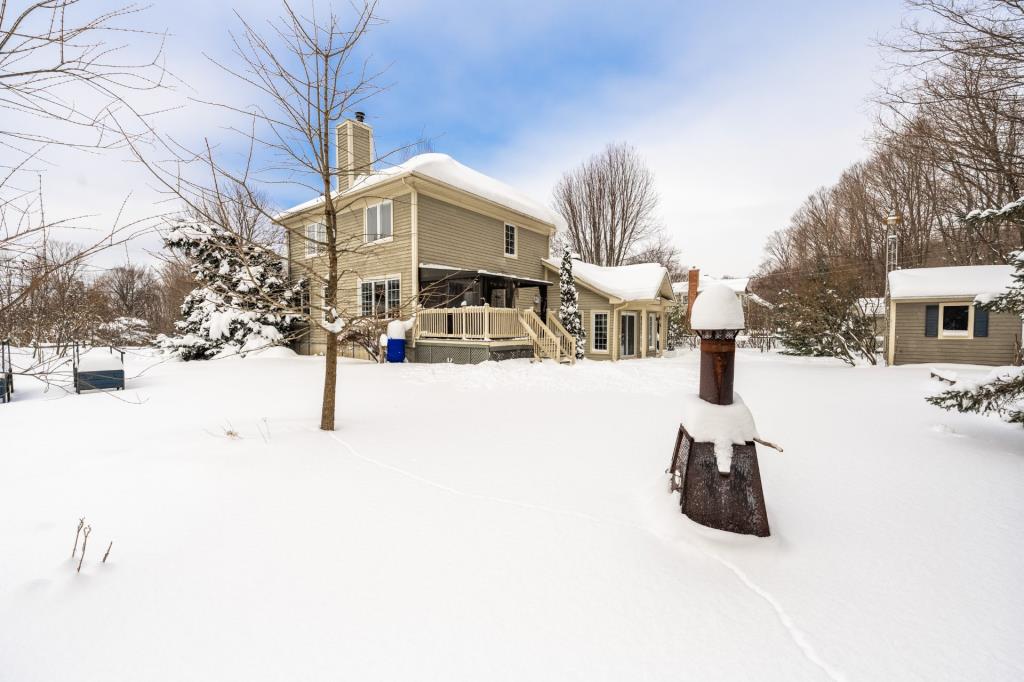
<point>735,153</point>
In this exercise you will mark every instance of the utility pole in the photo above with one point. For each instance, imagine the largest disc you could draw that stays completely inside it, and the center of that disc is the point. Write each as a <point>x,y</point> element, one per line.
<point>891,246</point>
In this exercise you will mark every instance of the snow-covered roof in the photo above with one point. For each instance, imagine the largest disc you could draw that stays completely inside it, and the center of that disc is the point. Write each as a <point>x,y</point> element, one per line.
<point>737,284</point>
<point>443,168</point>
<point>951,282</point>
<point>640,282</point>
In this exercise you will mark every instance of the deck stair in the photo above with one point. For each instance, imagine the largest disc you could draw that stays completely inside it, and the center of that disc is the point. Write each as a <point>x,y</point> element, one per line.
<point>548,343</point>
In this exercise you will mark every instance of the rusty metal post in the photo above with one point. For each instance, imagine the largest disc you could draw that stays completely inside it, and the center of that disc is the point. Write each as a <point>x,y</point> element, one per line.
<point>732,501</point>
<point>717,366</point>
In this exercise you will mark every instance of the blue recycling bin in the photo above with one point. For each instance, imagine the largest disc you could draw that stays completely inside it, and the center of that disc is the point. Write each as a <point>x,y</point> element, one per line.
<point>396,350</point>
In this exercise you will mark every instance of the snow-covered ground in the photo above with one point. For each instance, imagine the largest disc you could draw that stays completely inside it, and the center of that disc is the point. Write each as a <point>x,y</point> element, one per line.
<point>501,522</point>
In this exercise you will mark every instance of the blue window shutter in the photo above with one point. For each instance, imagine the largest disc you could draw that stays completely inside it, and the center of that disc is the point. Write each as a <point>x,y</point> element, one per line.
<point>931,320</point>
<point>980,321</point>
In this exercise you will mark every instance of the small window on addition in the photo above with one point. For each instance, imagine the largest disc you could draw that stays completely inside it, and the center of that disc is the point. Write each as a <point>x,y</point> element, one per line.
<point>510,240</point>
<point>956,320</point>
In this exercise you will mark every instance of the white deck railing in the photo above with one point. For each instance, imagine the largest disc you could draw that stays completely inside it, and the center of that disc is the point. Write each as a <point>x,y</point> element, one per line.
<point>469,322</point>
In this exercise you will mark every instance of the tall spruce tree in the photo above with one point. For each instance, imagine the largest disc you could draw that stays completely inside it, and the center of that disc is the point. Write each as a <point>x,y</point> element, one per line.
<point>569,308</point>
<point>241,302</point>
<point>1002,391</point>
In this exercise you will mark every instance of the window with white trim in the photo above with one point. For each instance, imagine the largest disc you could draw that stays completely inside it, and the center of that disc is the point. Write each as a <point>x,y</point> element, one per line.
<point>956,320</point>
<point>323,303</point>
<point>599,332</point>
<point>316,239</point>
<point>378,222</point>
<point>511,235</point>
<point>652,332</point>
<point>380,297</point>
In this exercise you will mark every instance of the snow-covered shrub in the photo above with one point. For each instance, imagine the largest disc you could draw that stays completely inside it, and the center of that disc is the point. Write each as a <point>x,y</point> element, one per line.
<point>569,308</point>
<point>126,331</point>
<point>242,300</point>
<point>1002,391</point>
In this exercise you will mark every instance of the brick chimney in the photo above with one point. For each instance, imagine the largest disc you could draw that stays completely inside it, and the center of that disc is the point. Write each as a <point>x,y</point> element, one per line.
<point>354,150</point>
<point>692,282</point>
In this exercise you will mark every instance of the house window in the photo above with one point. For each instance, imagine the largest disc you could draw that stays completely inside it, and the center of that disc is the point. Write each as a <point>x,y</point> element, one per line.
<point>316,239</point>
<point>380,297</point>
<point>378,222</point>
<point>956,320</point>
<point>324,304</point>
<point>510,240</point>
<point>652,332</point>
<point>599,335</point>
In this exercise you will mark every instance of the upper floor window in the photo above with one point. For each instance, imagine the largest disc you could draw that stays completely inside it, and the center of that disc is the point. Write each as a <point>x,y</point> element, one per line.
<point>378,222</point>
<point>316,239</point>
<point>510,240</point>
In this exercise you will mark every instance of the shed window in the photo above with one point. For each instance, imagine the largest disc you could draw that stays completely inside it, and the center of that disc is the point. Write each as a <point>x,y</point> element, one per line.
<point>600,332</point>
<point>955,320</point>
<point>378,222</point>
<point>510,240</point>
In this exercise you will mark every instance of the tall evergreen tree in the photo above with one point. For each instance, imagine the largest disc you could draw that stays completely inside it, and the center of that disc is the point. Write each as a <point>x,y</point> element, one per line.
<point>1002,391</point>
<point>569,309</point>
<point>241,302</point>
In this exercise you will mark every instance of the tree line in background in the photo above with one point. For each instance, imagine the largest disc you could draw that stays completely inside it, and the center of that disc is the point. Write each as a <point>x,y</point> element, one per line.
<point>53,296</point>
<point>948,140</point>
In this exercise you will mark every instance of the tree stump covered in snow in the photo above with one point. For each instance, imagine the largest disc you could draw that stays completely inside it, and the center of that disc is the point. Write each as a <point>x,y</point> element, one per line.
<point>714,463</point>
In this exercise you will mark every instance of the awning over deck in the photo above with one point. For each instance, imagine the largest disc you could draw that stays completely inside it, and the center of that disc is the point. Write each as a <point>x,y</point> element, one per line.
<point>434,271</point>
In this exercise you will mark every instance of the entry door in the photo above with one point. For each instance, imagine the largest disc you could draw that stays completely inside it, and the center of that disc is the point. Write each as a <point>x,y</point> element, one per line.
<point>627,338</point>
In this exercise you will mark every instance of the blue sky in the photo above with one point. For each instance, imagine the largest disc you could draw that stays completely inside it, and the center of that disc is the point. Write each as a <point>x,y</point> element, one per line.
<point>740,108</point>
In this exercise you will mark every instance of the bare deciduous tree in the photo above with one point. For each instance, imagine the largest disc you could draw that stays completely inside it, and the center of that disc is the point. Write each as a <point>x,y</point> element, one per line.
<point>306,76</point>
<point>609,204</point>
<point>60,79</point>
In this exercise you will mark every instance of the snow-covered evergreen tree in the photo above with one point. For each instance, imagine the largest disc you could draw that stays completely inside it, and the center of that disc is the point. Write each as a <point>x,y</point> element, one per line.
<point>1002,391</point>
<point>242,300</point>
<point>820,321</point>
<point>569,309</point>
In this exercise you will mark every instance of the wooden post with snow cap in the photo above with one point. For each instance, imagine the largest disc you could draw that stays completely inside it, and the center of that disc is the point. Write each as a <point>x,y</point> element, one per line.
<point>714,464</point>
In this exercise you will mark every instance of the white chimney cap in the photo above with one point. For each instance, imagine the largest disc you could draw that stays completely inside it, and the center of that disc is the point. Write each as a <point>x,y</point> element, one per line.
<point>717,307</point>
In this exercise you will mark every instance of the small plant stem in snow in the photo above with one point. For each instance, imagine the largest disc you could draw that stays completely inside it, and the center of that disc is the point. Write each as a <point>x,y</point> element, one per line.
<point>81,523</point>
<point>85,541</point>
<point>107,553</point>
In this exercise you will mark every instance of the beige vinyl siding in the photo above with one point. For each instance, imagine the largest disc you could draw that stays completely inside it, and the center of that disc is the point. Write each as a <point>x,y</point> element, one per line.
<point>912,346</point>
<point>362,148</point>
<point>369,261</point>
<point>589,301</point>
<point>458,237</point>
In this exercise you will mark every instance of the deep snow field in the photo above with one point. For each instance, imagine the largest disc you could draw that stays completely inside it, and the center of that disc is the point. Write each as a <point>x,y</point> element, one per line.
<point>505,521</point>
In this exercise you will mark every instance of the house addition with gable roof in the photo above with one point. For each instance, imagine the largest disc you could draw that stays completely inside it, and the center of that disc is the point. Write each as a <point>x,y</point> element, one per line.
<point>468,254</point>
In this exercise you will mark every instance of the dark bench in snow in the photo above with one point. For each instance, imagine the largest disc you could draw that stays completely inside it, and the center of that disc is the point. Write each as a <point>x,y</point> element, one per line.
<point>944,375</point>
<point>6,372</point>
<point>97,370</point>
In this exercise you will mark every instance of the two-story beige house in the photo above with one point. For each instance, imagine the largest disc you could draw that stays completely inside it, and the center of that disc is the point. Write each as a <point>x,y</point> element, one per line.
<point>462,251</point>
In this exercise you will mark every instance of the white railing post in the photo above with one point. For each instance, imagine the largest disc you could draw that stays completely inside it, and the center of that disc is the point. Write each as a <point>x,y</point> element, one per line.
<point>487,322</point>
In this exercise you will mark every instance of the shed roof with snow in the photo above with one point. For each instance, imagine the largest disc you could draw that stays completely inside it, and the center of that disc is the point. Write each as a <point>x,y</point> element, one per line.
<point>964,281</point>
